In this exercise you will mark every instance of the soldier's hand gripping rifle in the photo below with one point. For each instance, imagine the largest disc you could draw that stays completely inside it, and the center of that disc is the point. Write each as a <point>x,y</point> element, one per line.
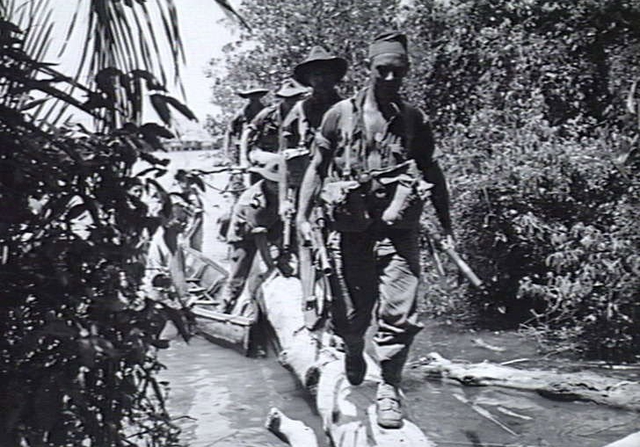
<point>313,261</point>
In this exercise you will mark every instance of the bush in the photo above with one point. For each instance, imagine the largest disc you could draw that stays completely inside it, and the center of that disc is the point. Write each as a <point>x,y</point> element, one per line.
<point>78,355</point>
<point>527,99</point>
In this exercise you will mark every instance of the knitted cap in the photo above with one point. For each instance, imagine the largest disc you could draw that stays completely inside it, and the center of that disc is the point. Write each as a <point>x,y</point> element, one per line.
<point>388,42</point>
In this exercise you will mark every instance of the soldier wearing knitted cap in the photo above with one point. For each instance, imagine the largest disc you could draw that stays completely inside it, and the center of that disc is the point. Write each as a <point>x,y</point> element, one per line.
<point>374,163</point>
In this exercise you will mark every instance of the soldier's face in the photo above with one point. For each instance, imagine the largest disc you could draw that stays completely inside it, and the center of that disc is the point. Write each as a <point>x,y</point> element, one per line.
<point>388,71</point>
<point>321,78</point>
<point>136,191</point>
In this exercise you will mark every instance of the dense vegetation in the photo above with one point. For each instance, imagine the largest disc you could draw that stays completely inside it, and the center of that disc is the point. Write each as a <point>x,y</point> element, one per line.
<point>78,353</point>
<point>527,98</point>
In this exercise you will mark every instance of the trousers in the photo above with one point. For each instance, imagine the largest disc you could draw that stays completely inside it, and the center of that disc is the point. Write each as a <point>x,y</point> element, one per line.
<point>378,269</point>
<point>242,256</point>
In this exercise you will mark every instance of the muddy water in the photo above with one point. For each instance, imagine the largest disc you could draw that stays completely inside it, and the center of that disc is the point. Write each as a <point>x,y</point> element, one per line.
<point>222,398</point>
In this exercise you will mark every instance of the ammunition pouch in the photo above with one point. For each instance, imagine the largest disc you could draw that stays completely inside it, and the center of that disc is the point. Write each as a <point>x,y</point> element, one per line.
<point>345,204</point>
<point>296,162</point>
<point>392,196</point>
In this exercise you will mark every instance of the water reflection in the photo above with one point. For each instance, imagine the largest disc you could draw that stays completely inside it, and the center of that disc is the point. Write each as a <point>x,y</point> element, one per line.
<point>226,397</point>
<point>452,415</point>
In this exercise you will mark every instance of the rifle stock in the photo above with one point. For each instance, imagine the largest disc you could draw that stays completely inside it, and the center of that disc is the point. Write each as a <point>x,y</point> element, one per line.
<point>463,267</point>
<point>321,249</point>
<point>317,244</point>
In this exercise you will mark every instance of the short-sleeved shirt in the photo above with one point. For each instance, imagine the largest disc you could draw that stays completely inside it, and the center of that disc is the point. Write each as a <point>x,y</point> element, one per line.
<point>354,154</point>
<point>298,131</point>
<point>264,130</point>
<point>244,117</point>
<point>407,135</point>
<point>254,208</point>
<point>302,122</point>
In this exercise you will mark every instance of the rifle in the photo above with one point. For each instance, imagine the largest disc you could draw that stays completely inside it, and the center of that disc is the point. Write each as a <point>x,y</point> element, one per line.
<point>294,159</point>
<point>219,169</point>
<point>314,259</point>
<point>436,241</point>
<point>319,247</point>
<point>287,221</point>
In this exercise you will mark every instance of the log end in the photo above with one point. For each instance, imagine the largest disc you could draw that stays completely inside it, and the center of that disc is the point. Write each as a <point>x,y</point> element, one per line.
<point>293,432</point>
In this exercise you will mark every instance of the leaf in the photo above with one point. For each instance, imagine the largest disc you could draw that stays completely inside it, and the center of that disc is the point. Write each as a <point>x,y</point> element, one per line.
<point>183,109</point>
<point>150,79</point>
<point>159,104</point>
<point>229,11</point>
<point>106,79</point>
<point>31,104</point>
<point>198,182</point>
<point>153,128</point>
<point>148,170</point>
<point>76,211</point>
<point>97,101</point>
<point>9,26</point>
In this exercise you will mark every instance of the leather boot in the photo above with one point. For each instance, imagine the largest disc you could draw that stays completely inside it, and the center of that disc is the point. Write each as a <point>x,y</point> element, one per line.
<point>388,406</point>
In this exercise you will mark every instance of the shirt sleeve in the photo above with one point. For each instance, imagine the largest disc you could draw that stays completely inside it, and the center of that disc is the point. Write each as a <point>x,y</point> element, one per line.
<point>253,129</point>
<point>327,136</point>
<point>290,135</point>
<point>424,148</point>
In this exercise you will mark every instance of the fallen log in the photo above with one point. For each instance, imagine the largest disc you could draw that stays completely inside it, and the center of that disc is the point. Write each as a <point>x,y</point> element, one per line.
<point>584,385</point>
<point>347,412</point>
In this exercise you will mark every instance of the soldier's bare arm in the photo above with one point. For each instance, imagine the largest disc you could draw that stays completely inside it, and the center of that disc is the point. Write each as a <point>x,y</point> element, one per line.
<point>310,188</point>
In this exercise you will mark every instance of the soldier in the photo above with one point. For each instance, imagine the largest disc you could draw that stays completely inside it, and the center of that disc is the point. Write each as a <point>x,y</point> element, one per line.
<point>263,133</point>
<point>321,71</point>
<point>254,222</point>
<point>241,120</point>
<point>193,233</point>
<point>376,151</point>
<point>232,148</point>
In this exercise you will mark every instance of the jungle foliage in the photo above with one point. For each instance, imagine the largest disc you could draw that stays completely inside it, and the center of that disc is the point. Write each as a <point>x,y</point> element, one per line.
<point>78,354</point>
<point>527,99</point>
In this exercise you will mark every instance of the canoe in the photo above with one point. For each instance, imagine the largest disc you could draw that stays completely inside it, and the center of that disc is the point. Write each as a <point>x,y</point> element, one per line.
<point>205,278</point>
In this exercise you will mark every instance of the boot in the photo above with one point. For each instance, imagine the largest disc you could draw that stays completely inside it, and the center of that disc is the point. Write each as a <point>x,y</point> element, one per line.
<point>388,406</point>
<point>354,364</point>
